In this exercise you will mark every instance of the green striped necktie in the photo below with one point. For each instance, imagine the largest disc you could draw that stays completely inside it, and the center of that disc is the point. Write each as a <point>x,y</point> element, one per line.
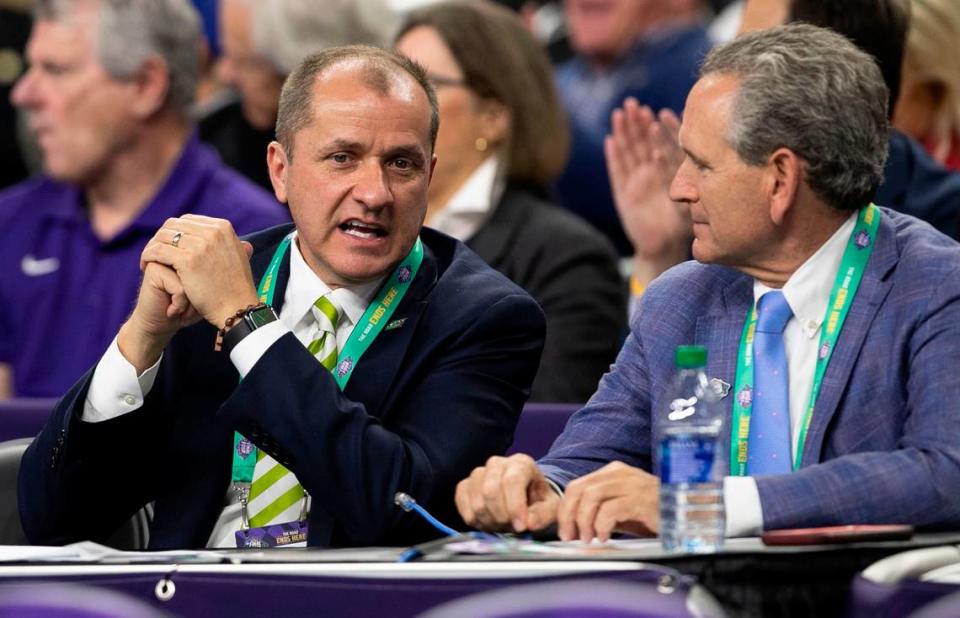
<point>275,493</point>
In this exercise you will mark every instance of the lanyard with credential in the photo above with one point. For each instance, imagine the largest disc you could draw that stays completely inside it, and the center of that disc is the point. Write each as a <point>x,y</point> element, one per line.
<point>371,324</point>
<point>854,262</point>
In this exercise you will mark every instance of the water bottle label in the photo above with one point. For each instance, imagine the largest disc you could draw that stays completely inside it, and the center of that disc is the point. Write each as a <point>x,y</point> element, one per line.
<point>687,459</point>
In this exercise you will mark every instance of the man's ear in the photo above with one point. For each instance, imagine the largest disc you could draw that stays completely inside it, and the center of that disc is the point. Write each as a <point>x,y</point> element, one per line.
<point>784,175</point>
<point>151,87</point>
<point>277,165</point>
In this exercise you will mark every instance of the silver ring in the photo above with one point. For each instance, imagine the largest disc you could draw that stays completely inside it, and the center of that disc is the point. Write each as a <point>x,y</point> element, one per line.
<point>176,239</point>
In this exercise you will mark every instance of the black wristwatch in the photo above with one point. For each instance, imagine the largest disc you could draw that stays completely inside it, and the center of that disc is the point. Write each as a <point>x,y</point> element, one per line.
<point>249,321</point>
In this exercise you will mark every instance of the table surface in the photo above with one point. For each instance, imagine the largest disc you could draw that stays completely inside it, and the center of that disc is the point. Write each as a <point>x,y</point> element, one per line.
<point>14,558</point>
<point>747,577</point>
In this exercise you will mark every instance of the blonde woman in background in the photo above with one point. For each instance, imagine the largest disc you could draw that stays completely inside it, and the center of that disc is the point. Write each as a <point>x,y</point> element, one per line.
<point>929,104</point>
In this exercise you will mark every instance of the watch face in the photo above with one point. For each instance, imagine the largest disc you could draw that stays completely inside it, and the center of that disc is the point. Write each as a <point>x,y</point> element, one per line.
<point>261,317</point>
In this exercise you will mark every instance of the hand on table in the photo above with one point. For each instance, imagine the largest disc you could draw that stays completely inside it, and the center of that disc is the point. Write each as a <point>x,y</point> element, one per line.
<point>507,494</point>
<point>617,497</point>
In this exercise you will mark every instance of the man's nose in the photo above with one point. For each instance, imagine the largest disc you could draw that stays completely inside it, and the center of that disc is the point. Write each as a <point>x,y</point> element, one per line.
<point>24,91</point>
<point>227,70</point>
<point>373,186</point>
<point>681,188</point>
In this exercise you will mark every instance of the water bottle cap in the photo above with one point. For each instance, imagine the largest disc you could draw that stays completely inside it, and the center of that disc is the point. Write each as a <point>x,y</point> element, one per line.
<point>691,356</point>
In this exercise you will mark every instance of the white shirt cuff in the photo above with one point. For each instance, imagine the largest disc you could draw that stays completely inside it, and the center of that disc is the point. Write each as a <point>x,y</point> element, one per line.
<point>116,388</point>
<point>556,488</point>
<point>742,502</point>
<point>246,353</point>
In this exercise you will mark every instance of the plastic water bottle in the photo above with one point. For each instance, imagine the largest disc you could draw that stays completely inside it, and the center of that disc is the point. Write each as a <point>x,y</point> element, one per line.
<point>691,465</point>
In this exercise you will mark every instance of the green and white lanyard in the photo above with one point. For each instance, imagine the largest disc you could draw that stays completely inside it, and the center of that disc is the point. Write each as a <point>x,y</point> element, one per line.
<point>852,267</point>
<point>364,333</point>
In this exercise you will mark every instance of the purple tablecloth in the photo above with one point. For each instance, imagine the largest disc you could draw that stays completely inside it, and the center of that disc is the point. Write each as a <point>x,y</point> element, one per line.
<point>234,595</point>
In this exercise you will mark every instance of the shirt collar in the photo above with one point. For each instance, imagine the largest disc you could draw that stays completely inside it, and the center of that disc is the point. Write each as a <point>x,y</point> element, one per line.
<point>177,192</point>
<point>174,197</point>
<point>473,203</point>
<point>304,288</point>
<point>808,289</point>
<point>65,202</point>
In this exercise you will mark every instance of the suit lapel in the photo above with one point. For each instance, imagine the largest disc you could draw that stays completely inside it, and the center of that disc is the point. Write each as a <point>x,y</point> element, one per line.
<point>719,331</point>
<point>873,289</point>
<point>375,372</point>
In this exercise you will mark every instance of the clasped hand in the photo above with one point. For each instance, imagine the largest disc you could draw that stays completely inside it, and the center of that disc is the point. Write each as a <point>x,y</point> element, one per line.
<point>511,494</point>
<point>194,267</point>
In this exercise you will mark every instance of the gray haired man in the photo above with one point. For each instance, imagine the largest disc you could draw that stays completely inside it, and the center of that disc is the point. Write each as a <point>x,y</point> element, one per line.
<point>784,142</point>
<point>108,95</point>
<point>262,43</point>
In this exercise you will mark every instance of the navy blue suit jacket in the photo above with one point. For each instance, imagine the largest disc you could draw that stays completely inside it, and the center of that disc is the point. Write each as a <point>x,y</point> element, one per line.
<point>428,402</point>
<point>884,441</point>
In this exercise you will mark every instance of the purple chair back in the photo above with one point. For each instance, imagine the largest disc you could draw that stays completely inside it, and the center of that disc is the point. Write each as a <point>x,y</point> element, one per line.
<point>902,583</point>
<point>870,599</point>
<point>23,418</point>
<point>946,607</point>
<point>539,426</point>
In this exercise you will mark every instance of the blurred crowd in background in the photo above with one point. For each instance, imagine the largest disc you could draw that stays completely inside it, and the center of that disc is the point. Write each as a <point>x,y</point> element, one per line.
<point>534,127</point>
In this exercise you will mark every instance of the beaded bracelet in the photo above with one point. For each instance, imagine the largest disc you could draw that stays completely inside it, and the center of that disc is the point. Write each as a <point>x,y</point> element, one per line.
<point>233,319</point>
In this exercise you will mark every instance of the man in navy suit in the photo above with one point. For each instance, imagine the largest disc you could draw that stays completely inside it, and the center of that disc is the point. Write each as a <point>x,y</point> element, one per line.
<point>784,138</point>
<point>398,360</point>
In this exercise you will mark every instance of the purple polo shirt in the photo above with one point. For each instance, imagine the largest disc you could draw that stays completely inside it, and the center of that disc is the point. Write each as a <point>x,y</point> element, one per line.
<point>65,292</point>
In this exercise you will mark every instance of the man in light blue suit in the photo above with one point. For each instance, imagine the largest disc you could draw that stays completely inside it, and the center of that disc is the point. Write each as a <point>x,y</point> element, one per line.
<point>784,138</point>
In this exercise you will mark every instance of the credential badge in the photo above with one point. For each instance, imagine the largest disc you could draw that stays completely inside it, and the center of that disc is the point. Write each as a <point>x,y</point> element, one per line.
<point>344,367</point>
<point>244,448</point>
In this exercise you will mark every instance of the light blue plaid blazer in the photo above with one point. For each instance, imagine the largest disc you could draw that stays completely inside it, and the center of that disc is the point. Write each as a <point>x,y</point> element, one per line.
<point>884,441</point>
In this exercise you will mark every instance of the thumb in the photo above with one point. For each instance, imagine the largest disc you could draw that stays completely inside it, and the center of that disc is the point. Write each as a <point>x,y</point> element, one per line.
<point>247,247</point>
<point>542,513</point>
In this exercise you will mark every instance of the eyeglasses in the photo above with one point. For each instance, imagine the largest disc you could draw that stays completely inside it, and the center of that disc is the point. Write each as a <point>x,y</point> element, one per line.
<point>440,81</point>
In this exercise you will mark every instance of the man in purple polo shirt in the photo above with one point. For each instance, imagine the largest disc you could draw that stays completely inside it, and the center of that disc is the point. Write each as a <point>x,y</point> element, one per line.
<point>109,93</point>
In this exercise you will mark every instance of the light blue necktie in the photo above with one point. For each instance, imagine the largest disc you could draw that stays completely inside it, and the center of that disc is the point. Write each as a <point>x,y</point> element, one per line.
<point>769,450</point>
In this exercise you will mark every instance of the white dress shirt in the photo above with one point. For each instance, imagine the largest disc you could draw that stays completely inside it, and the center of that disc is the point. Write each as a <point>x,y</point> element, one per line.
<point>807,292</point>
<point>116,388</point>
<point>473,203</point>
